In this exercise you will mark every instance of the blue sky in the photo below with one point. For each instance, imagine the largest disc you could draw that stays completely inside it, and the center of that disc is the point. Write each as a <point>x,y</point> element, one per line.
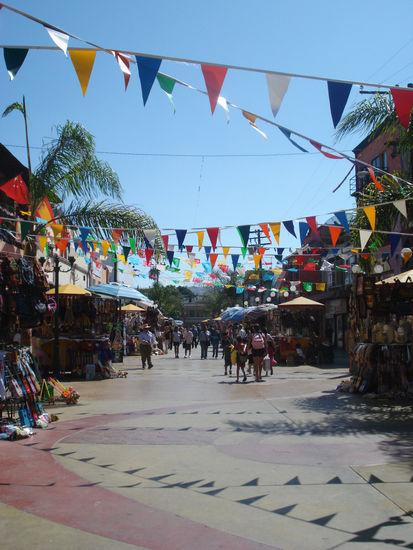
<point>250,180</point>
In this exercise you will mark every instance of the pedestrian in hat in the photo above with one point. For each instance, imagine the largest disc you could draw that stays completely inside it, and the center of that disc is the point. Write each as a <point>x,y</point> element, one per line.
<point>146,341</point>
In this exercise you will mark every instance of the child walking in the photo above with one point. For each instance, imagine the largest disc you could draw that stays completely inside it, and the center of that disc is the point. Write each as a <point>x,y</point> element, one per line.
<point>242,357</point>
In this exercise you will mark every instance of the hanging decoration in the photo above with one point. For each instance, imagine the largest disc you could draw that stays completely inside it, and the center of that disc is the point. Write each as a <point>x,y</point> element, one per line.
<point>17,190</point>
<point>124,64</point>
<point>213,236</point>
<point>251,119</point>
<point>14,59</point>
<point>148,68</point>
<point>214,78</point>
<point>370,212</point>
<point>61,39</point>
<point>338,93</point>
<point>83,61</point>
<point>277,88</point>
<point>244,233</point>
<point>403,103</point>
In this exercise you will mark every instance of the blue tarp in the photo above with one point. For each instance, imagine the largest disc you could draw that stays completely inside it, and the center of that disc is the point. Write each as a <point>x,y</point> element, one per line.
<point>118,290</point>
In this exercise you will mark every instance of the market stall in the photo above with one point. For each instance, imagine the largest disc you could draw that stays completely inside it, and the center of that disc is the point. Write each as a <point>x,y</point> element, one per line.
<point>132,320</point>
<point>380,335</point>
<point>299,327</point>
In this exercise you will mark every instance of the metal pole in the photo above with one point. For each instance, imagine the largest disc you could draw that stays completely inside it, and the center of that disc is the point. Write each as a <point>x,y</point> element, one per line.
<point>56,347</point>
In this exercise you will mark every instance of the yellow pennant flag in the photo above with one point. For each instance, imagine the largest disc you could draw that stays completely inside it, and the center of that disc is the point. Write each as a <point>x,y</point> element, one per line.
<point>254,277</point>
<point>105,247</point>
<point>83,63</point>
<point>275,228</point>
<point>57,230</point>
<point>320,286</point>
<point>225,250</point>
<point>188,274</point>
<point>122,257</point>
<point>42,242</point>
<point>200,239</point>
<point>257,259</point>
<point>94,244</point>
<point>370,212</point>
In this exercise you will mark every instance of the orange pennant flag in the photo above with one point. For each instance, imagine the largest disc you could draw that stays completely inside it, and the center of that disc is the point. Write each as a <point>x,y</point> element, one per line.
<point>213,259</point>
<point>105,247</point>
<point>262,251</point>
<point>44,210</point>
<point>200,239</point>
<point>57,230</point>
<point>257,259</point>
<point>225,250</point>
<point>42,242</point>
<point>264,227</point>
<point>335,233</point>
<point>275,228</point>
<point>370,212</point>
<point>373,177</point>
<point>61,244</point>
<point>116,235</point>
<point>83,61</point>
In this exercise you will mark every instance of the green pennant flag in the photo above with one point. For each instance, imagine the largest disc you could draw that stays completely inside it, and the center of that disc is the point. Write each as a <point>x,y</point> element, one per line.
<point>176,282</point>
<point>114,259</point>
<point>308,286</point>
<point>121,270</point>
<point>176,262</point>
<point>244,252</point>
<point>24,229</point>
<point>340,268</point>
<point>113,247</point>
<point>167,85</point>
<point>47,249</point>
<point>126,250</point>
<point>133,245</point>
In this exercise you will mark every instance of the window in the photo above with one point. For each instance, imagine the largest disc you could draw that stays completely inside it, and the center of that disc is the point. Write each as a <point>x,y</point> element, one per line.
<point>380,161</point>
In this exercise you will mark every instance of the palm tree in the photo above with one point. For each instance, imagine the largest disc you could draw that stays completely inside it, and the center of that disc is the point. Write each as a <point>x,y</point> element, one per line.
<point>85,190</point>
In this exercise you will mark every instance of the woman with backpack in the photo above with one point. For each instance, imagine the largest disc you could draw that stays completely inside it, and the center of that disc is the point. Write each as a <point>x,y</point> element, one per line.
<point>257,343</point>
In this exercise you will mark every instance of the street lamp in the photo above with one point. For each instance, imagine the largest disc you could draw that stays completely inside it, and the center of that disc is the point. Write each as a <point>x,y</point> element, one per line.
<point>56,270</point>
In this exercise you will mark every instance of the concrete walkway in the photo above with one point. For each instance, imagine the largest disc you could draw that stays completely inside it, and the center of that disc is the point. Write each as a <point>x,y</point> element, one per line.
<point>181,457</point>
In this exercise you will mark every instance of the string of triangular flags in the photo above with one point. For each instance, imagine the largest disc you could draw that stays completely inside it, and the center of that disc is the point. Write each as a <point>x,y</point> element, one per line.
<point>214,75</point>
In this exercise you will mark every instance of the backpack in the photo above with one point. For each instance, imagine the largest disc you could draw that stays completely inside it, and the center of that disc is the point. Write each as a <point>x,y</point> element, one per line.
<point>257,341</point>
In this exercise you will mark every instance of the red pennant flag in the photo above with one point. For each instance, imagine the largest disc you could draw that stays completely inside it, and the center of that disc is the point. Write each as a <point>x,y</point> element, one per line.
<point>214,78</point>
<point>141,253</point>
<point>189,248</point>
<point>335,233</point>
<point>264,227</point>
<point>61,245</point>
<point>310,266</point>
<point>124,63</point>
<point>16,189</point>
<point>116,235</point>
<point>213,236</point>
<point>213,259</point>
<point>319,147</point>
<point>262,251</point>
<point>224,268</point>
<point>299,260</point>
<point>165,239</point>
<point>403,103</point>
<point>373,177</point>
<point>148,254</point>
<point>313,224</point>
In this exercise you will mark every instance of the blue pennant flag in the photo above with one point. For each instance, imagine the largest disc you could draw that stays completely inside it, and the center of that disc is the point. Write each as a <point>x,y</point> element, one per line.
<point>207,267</point>
<point>244,233</point>
<point>289,226</point>
<point>235,258</point>
<point>304,227</point>
<point>180,235</point>
<point>207,251</point>
<point>287,134</point>
<point>280,250</point>
<point>170,256</point>
<point>338,93</point>
<point>239,289</point>
<point>394,243</point>
<point>342,219</point>
<point>148,69</point>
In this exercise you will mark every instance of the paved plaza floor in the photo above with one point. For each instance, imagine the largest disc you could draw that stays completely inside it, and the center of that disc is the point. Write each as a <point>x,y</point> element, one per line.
<point>181,457</point>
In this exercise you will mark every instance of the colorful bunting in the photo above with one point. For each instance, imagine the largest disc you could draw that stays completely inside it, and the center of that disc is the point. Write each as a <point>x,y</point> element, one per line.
<point>214,78</point>
<point>61,244</point>
<point>320,286</point>
<point>335,233</point>
<point>244,252</point>
<point>83,61</point>
<point>124,64</point>
<point>24,229</point>
<point>265,230</point>
<point>207,251</point>
<point>167,85</point>
<point>234,258</point>
<point>394,243</point>
<point>116,235</point>
<point>58,228</point>
<point>105,247</point>
<point>44,210</point>
<point>170,256</point>
<point>225,250</point>
<point>14,59</point>
<point>200,235</point>
<point>150,236</point>
<point>289,226</point>
<point>277,88</point>
<point>213,236</point>
<point>403,103</point>
<point>312,224</point>
<point>132,243</point>
<point>338,93</point>
<point>17,190</point>
<point>364,237</point>
<point>370,212</point>
<point>401,207</point>
<point>126,250</point>
<point>303,231</point>
<point>59,38</point>
<point>148,254</point>
<point>342,220</point>
<point>287,134</point>
<point>318,146</point>
<point>257,259</point>
<point>308,287</point>
<point>42,242</point>
<point>373,177</point>
<point>180,235</point>
<point>251,119</point>
<point>244,233</point>
<point>165,239</point>
<point>213,259</point>
<point>148,68</point>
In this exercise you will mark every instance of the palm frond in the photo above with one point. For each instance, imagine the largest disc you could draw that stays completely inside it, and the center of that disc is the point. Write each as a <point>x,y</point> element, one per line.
<point>16,106</point>
<point>70,167</point>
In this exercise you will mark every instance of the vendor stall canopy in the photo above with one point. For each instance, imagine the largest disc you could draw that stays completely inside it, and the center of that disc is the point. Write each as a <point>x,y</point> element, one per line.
<point>406,277</point>
<point>132,308</point>
<point>237,313</point>
<point>70,290</point>
<point>120,291</point>
<point>301,302</point>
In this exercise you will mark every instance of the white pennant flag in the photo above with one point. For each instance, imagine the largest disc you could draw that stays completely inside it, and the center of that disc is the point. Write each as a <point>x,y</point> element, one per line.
<point>124,63</point>
<point>277,87</point>
<point>401,207</point>
<point>59,38</point>
<point>223,103</point>
<point>150,235</point>
<point>365,235</point>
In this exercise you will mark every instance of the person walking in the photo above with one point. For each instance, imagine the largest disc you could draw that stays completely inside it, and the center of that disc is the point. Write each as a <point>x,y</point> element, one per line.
<point>204,341</point>
<point>242,357</point>
<point>188,339</point>
<point>146,341</point>
<point>215,341</point>
<point>176,339</point>
<point>194,331</point>
<point>227,348</point>
<point>258,344</point>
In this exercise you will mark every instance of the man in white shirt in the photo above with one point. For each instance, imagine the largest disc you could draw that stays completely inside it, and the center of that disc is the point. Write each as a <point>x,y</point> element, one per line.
<point>146,340</point>
<point>188,338</point>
